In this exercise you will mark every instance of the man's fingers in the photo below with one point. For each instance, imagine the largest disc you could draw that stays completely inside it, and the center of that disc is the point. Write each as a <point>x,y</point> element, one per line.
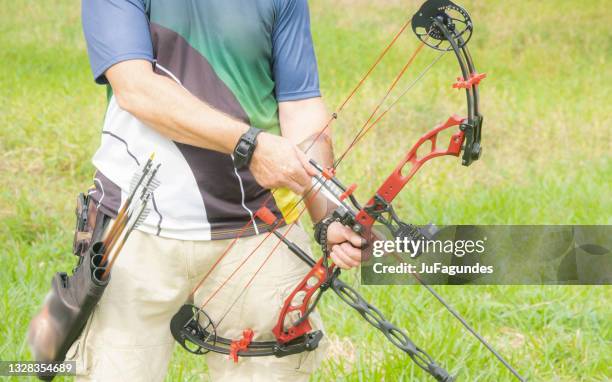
<point>279,163</point>
<point>353,238</point>
<point>344,259</point>
<point>294,186</point>
<point>299,172</point>
<point>338,257</point>
<point>353,253</point>
<point>338,233</point>
<point>301,177</point>
<point>346,253</point>
<point>310,170</point>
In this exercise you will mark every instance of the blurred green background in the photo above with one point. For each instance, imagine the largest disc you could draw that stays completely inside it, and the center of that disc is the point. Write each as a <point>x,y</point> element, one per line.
<point>546,161</point>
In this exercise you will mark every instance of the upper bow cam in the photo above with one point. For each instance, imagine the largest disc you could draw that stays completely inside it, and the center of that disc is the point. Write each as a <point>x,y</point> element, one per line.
<point>445,26</point>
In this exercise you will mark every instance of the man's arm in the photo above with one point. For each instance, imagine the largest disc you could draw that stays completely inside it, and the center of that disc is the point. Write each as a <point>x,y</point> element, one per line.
<point>302,122</point>
<point>175,113</point>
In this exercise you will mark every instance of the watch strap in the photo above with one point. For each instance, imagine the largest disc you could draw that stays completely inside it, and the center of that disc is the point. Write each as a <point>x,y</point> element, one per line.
<point>243,152</point>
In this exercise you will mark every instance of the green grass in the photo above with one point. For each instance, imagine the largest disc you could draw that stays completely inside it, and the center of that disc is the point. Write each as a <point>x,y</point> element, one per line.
<point>546,161</point>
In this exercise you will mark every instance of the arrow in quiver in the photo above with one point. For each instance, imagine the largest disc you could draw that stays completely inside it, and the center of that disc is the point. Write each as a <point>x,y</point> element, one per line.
<point>72,298</point>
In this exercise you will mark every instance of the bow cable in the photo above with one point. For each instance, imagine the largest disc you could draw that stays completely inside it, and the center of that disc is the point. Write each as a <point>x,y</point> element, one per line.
<point>360,135</point>
<point>333,117</point>
<point>374,118</point>
<point>469,328</point>
<point>366,127</point>
<point>383,99</point>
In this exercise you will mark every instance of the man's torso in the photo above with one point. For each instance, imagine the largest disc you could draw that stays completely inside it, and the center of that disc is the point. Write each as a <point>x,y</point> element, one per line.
<point>221,52</point>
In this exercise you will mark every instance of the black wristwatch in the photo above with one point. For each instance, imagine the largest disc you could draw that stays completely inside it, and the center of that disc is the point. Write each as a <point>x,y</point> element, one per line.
<point>243,152</point>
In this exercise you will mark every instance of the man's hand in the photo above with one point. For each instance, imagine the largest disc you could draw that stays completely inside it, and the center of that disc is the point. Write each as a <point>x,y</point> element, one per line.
<point>345,245</point>
<point>277,163</point>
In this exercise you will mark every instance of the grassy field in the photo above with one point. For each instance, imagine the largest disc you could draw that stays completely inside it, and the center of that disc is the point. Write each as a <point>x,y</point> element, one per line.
<point>546,161</point>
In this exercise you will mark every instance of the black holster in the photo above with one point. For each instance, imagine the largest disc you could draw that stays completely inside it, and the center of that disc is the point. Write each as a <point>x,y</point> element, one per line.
<point>72,298</point>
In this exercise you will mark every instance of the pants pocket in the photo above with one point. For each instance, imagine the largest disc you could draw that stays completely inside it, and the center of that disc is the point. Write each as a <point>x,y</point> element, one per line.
<point>78,351</point>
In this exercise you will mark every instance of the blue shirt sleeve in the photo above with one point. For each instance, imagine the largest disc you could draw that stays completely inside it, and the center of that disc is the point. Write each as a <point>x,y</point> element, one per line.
<point>115,31</point>
<point>294,63</point>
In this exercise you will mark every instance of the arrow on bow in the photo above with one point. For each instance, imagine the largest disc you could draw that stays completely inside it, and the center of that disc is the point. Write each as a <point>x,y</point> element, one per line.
<point>441,25</point>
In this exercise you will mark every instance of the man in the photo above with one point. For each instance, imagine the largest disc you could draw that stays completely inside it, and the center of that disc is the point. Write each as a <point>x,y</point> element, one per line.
<point>226,93</point>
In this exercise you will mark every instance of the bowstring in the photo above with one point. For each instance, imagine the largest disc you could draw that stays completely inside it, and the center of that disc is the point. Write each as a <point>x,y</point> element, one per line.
<point>364,129</point>
<point>361,133</point>
<point>378,59</point>
<point>332,118</point>
<point>268,234</point>
<point>384,98</point>
<point>469,327</point>
<point>358,138</point>
<point>263,263</point>
<point>432,291</point>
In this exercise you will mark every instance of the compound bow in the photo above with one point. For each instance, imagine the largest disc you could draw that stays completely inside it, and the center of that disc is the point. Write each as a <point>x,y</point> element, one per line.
<point>441,25</point>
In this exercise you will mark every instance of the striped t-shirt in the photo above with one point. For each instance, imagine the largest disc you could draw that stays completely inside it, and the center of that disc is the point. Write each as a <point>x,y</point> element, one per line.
<point>241,57</point>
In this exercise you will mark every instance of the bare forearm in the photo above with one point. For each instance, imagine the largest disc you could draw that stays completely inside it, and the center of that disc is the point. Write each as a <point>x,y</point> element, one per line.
<point>304,123</point>
<point>171,110</point>
<point>321,151</point>
<point>175,113</point>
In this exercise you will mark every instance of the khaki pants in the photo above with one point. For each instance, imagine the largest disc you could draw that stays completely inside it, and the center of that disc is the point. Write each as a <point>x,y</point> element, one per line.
<point>128,336</point>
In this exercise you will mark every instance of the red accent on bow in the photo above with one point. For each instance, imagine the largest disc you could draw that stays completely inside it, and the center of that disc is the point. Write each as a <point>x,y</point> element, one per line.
<point>396,181</point>
<point>329,173</point>
<point>474,79</point>
<point>298,301</point>
<point>266,215</point>
<point>241,344</point>
<point>349,191</point>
